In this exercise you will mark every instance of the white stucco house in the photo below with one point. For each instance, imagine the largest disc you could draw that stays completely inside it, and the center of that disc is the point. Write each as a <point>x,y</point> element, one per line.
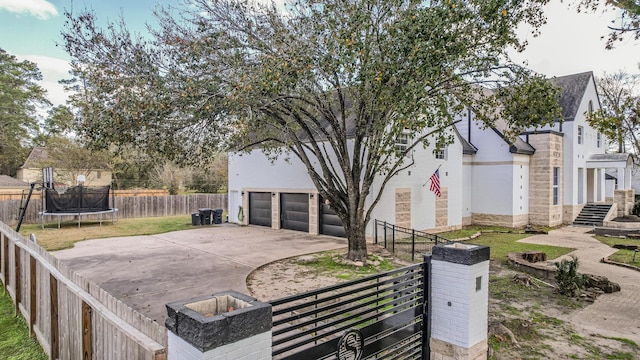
<point>545,178</point>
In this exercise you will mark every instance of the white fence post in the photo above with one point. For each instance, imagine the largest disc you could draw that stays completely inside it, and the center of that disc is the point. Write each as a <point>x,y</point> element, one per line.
<point>459,302</point>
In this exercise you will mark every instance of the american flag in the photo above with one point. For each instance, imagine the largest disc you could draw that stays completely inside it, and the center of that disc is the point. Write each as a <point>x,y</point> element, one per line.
<point>435,183</point>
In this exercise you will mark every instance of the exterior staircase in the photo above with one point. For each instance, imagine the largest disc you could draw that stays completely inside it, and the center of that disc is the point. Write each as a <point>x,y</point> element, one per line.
<point>592,214</point>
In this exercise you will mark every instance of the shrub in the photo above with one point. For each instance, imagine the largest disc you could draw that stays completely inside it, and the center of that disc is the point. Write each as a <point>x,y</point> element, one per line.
<point>569,282</point>
<point>636,208</point>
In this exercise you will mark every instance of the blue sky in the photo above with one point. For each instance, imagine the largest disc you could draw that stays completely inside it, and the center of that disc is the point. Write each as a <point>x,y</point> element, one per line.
<point>570,42</point>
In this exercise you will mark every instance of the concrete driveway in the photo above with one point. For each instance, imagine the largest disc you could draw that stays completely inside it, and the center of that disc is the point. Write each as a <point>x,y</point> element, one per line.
<point>147,272</point>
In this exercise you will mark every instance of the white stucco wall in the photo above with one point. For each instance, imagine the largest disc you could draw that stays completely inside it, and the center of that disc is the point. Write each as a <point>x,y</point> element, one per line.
<point>255,171</point>
<point>576,155</point>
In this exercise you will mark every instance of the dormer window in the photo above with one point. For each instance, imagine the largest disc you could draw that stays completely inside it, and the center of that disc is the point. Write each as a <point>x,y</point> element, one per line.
<point>440,154</point>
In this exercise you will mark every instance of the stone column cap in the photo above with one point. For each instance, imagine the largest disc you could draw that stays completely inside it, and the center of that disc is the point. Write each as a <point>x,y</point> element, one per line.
<point>461,253</point>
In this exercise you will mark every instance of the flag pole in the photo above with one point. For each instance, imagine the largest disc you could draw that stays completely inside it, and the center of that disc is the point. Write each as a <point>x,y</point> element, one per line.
<point>423,185</point>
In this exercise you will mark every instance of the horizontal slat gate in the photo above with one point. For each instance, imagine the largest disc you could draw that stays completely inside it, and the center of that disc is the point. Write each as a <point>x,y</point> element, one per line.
<point>387,310</point>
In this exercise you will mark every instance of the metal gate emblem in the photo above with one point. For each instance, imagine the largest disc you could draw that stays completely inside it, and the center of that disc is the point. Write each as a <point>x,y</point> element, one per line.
<point>351,345</point>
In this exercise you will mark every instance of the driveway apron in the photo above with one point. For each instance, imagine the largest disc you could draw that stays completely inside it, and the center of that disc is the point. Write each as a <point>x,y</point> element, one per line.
<point>147,272</point>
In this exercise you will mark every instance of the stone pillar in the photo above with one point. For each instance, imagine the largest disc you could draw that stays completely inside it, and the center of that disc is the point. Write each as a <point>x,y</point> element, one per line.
<point>314,217</point>
<point>459,302</point>
<point>226,325</point>
<point>275,210</point>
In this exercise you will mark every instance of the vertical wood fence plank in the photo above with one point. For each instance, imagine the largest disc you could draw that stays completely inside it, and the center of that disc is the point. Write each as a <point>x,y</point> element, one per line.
<point>17,286</point>
<point>53,296</point>
<point>5,262</point>
<point>33,293</point>
<point>87,352</point>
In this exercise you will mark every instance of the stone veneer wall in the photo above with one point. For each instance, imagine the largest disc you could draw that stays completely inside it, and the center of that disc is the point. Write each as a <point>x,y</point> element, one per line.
<point>442,208</point>
<point>513,221</point>
<point>403,207</point>
<point>625,200</point>
<point>548,155</point>
<point>570,213</point>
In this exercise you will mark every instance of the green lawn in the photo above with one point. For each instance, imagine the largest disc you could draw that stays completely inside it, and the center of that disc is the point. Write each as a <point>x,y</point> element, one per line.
<point>503,243</point>
<point>623,256</point>
<point>53,238</point>
<point>15,343</point>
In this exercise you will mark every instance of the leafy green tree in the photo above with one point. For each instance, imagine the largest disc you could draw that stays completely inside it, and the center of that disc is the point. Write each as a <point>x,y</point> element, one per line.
<point>628,23</point>
<point>619,118</point>
<point>70,159</point>
<point>331,82</point>
<point>20,97</point>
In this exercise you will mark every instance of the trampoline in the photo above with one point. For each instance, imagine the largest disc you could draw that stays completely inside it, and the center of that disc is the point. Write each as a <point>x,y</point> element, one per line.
<point>78,201</point>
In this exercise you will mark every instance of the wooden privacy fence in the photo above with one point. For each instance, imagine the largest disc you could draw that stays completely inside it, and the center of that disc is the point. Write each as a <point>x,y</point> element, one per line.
<point>129,206</point>
<point>16,194</point>
<point>73,318</point>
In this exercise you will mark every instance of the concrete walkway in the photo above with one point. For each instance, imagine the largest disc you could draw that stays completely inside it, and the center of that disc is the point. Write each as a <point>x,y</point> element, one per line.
<point>147,272</point>
<point>614,315</point>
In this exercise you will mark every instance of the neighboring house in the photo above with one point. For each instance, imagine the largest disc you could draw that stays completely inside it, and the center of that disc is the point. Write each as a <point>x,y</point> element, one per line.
<point>545,178</point>
<point>39,158</point>
<point>9,183</point>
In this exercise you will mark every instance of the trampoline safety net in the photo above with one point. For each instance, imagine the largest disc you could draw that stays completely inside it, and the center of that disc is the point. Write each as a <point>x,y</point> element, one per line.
<point>79,199</point>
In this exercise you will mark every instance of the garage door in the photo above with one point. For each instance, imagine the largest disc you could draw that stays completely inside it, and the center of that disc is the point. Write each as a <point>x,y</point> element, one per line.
<point>330,223</point>
<point>294,211</point>
<point>260,208</point>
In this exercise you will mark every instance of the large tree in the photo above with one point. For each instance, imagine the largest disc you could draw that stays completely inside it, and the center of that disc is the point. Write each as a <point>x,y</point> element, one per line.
<point>331,82</point>
<point>619,117</point>
<point>20,97</point>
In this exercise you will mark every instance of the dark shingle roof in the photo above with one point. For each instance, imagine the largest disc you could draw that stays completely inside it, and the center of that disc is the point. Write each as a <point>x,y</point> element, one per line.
<point>8,181</point>
<point>573,88</point>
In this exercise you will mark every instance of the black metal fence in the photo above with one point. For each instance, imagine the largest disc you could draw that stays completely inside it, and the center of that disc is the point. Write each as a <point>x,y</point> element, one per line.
<point>378,317</point>
<point>405,243</point>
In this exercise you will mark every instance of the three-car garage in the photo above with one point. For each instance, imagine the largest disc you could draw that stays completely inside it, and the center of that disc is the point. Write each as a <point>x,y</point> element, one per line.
<point>302,211</point>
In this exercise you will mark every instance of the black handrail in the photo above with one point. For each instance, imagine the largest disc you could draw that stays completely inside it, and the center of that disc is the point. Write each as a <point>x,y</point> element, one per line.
<point>416,236</point>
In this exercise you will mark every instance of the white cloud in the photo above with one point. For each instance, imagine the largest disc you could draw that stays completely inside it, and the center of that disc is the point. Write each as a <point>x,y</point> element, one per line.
<point>53,70</point>
<point>42,9</point>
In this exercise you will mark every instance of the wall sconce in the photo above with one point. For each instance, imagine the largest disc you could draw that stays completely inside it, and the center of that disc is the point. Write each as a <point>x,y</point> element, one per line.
<point>242,193</point>
<point>310,196</point>
<point>273,194</point>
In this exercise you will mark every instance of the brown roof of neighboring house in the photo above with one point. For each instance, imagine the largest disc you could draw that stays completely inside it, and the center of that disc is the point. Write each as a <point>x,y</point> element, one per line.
<point>8,181</point>
<point>36,157</point>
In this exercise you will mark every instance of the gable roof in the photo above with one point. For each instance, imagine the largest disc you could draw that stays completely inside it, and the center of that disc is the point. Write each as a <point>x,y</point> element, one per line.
<point>8,181</point>
<point>573,88</point>
<point>36,157</point>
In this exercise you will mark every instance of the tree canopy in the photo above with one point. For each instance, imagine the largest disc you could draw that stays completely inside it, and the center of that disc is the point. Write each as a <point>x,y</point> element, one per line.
<point>20,97</point>
<point>619,117</point>
<point>331,82</point>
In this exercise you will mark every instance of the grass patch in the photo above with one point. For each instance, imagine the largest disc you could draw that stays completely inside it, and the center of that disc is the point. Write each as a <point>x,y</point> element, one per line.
<point>502,244</point>
<point>15,343</point>
<point>332,263</point>
<point>622,256</point>
<point>57,239</point>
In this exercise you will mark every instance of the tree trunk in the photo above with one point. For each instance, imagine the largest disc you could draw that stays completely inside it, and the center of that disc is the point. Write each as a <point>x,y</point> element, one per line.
<point>356,235</point>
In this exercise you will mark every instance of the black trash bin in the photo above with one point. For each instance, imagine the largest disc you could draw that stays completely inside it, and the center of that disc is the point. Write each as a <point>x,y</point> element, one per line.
<point>217,216</point>
<point>205,216</point>
<point>195,218</point>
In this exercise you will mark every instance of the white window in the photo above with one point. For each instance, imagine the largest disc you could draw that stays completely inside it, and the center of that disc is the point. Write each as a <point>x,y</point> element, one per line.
<point>580,134</point>
<point>590,107</point>
<point>599,139</point>
<point>402,142</point>
<point>440,154</point>
<point>556,185</point>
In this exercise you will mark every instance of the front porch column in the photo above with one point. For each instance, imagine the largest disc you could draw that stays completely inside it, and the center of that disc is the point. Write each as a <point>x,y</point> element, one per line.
<point>620,172</point>
<point>627,178</point>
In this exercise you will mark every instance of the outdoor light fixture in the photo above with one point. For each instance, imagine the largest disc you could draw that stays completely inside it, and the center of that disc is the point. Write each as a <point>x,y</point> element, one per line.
<point>310,196</point>
<point>273,194</point>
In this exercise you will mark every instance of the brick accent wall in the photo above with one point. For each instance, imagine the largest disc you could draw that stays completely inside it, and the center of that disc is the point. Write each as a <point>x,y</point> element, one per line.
<point>548,156</point>
<point>403,207</point>
<point>257,347</point>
